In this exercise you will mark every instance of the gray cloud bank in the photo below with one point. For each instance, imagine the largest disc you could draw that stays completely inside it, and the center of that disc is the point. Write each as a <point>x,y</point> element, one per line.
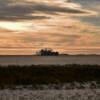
<point>94,5</point>
<point>24,10</point>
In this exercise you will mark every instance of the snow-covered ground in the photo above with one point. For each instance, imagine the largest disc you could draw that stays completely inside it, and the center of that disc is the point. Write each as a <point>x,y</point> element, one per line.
<point>90,91</point>
<point>73,94</point>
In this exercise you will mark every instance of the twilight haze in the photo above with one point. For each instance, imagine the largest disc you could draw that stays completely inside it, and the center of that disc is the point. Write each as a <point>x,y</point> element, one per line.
<point>68,26</point>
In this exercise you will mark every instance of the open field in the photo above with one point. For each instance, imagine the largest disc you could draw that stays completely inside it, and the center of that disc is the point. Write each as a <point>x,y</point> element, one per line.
<point>87,94</point>
<point>49,60</point>
<point>52,82</point>
<point>51,74</point>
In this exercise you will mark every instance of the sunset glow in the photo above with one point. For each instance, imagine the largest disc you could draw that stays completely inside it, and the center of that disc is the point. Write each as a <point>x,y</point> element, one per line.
<point>12,26</point>
<point>68,27</point>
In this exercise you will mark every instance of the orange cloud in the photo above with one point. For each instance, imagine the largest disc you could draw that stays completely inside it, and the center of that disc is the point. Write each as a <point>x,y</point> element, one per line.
<point>35,24</point>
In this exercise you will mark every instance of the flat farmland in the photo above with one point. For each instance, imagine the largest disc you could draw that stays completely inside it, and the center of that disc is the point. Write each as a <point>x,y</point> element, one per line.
<point>49,60</point>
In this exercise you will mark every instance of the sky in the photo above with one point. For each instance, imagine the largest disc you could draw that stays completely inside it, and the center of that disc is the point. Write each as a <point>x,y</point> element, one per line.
<point>68,26</point>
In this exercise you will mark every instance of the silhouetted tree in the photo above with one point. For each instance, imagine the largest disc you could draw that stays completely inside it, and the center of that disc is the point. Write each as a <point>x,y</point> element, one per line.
<point>48,52</point>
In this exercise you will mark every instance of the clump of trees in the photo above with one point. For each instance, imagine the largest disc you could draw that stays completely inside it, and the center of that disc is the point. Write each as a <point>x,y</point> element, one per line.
<point>47,52</point>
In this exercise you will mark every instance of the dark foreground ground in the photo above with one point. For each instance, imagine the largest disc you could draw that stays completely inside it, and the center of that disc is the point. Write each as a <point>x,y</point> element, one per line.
<point>51,74</point>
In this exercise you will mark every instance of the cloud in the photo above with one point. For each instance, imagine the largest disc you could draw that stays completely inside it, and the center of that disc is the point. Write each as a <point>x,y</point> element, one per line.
<point>36,24</point>
<point>10,10</point>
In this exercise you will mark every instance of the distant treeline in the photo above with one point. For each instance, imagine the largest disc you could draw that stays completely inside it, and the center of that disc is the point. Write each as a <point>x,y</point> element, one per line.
<point>50,74</point>
<point>47,52</point>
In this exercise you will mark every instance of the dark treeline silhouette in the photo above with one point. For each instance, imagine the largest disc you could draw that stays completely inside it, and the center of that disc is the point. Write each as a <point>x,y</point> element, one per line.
<point>50,52</point>
<point>47,52</point>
